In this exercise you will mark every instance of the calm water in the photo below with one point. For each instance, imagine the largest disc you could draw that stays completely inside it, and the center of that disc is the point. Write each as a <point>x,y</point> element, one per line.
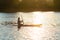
<point>50,29</point>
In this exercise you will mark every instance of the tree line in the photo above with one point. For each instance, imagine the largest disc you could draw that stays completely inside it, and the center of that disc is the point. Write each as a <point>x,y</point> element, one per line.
<point>29,5</point>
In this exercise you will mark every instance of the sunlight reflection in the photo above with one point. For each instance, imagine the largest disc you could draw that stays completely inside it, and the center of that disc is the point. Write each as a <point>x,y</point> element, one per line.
<point>46,32</point>
<point>37,17</point>
<point>42,17</point>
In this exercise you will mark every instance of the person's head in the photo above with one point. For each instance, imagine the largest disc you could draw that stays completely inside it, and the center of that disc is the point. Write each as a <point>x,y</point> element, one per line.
<point>18,17</point>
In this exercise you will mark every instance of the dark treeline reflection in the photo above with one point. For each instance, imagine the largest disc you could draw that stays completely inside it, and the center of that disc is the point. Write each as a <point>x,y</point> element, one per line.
<point>29,5</point>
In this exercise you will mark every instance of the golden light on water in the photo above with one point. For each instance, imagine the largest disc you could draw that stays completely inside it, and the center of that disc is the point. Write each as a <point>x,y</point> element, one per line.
<point>39,33</point>
<point>37,17</point>
<point>46,32</point>
<point>42,17</point>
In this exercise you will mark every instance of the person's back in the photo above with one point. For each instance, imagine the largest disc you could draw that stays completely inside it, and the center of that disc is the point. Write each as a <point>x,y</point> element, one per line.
<point>19,23</point>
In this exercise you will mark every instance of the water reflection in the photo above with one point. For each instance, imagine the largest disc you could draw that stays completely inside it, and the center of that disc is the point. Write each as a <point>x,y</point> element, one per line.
<point>43,17</point>
<point>48,31</point>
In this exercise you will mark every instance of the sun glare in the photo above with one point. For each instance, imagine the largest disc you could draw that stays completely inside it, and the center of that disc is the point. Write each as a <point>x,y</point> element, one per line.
<point>38,33</point>
<point>40,17</point>
<point>37,17</point>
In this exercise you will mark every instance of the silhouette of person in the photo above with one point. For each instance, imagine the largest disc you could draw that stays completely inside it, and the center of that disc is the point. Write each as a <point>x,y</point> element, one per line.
<point>19,23</point>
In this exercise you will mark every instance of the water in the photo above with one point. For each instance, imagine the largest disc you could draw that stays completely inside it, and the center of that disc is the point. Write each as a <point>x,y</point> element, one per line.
<point>50,29</point>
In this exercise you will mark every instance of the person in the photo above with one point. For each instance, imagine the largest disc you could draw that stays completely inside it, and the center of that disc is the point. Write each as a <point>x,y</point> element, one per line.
<point>19,23</point>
